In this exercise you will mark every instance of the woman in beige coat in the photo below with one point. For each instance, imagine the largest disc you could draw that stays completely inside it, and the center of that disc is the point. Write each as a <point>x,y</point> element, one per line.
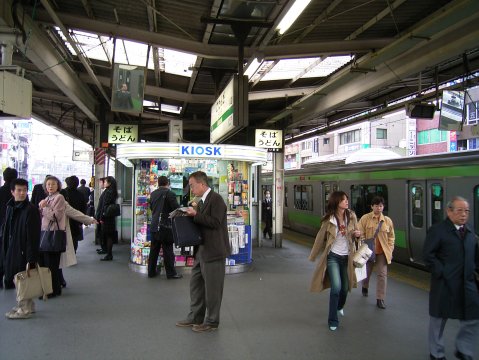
<point>335,242</point>
<point>68,258</point>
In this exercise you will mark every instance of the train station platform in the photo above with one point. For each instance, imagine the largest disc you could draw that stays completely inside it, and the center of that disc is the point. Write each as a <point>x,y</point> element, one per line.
<point>108,311</point>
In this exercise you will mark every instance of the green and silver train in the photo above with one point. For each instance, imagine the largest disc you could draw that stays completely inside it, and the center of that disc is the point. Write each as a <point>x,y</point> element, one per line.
<point>416,191</point>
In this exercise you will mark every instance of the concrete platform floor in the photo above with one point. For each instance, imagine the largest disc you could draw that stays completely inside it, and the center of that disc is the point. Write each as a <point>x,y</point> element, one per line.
<point>108,311</point>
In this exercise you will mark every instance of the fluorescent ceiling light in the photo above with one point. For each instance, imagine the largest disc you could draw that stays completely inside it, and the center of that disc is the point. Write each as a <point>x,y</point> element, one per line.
<point>291,16</point>
<point>171,108</point>
<point>252,68</point>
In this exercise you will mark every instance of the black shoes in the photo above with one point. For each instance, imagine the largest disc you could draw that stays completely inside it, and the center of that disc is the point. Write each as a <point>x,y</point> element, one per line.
<point>365,291</point>
<point>107,258</point>
<point>381,304</point>
<point>64,284</point>
<point>462,356</point>
<point>177,276</point>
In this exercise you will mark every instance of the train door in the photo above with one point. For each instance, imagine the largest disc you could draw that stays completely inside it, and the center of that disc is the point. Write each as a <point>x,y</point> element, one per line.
<point>328,188</point>
<point>426,207</point>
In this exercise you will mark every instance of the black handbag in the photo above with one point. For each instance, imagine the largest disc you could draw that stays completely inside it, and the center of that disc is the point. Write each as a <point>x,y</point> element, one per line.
<point>53,240</point>
<point>185,231</point>
<point>112,210</point>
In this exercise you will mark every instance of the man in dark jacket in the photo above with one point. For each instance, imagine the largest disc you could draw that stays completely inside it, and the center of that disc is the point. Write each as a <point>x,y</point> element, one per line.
<point>162,202</point>
<point>38,193</point>
<point>84,190</point>
<point>208,272</point>
<point>9,175</point>
<point>451,253</point>
<point>76,200</point>
<point>21,235</point>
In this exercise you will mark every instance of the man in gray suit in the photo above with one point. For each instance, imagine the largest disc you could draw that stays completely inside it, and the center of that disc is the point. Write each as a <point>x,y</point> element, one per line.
<point>451,253</point>
<point>208,272</point>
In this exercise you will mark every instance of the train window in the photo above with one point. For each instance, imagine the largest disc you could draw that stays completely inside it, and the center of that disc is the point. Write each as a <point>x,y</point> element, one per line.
<point>417,208</point>
<point>437,203</point>
<point>475,210</point>
<point>362,195</point>
<point>303,197</point>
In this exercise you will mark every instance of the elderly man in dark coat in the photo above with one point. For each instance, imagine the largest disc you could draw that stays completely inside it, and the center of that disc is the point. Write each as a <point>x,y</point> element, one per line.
<point>21,235</point>
<point>451,253</point>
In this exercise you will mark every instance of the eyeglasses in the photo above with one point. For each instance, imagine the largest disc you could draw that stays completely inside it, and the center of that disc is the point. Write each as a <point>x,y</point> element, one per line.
<point>342,230</point>
<point>465,211</point>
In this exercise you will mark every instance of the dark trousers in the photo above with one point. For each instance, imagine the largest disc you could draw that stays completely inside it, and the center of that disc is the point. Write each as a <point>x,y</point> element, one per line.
<point>52,261</point>
<point>161,240</point>
<point>206,291</point>
<point>267,228</point>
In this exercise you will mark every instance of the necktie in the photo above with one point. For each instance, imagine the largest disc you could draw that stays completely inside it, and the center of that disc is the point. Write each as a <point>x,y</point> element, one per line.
<point>200,205</point>
<point>462,232</point>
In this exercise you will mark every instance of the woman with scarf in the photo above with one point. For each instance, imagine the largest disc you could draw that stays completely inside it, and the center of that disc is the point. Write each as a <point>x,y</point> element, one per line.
<point>335,242</point>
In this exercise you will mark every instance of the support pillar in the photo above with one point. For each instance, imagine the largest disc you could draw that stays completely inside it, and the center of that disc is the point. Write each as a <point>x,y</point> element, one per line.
<point>278,199</point>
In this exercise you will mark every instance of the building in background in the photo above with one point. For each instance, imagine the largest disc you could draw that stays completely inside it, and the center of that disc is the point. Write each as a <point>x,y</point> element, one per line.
<point>37,150</point>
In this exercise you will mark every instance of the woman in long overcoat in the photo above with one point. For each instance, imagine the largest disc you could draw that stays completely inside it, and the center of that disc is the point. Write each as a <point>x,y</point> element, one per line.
<point>68,258</point>
<point>335,242</point>
<point>53,218</point>
<point>108,223</point>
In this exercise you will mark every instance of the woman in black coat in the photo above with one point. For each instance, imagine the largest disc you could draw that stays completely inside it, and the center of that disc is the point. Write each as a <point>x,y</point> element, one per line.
<point>108,223</point>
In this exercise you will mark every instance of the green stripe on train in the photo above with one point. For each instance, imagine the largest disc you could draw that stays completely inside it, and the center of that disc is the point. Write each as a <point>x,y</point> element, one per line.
<point>304,218</point>
<point>458,171</point>
<point>314,222</point>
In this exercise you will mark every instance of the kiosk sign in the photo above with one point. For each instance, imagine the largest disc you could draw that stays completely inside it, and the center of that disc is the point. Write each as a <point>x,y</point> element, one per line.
<point>269,139</point>
<point>201,151</point>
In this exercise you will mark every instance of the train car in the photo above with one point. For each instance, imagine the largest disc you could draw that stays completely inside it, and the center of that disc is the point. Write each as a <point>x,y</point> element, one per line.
<point>416,191</point>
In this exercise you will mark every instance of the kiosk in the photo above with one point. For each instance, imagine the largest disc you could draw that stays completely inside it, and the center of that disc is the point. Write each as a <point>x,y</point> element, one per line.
<point>229,173</point>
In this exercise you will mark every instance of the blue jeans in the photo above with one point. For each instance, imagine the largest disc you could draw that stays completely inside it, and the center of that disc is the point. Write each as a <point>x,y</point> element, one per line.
<point>338,276</point>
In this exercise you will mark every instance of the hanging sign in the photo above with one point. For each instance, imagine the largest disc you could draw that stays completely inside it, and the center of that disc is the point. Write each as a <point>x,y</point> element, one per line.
<point>269,139</point>
<point>122,133</point>
<point>84,155</point>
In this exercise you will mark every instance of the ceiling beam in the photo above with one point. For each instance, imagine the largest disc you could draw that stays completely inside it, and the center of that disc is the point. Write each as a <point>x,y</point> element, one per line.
<point>210,50</point>
<point>445,34</point>
<point>45,57</point>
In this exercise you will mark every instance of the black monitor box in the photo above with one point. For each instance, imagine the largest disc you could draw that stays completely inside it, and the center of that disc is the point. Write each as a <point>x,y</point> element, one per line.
<point>420,110</point>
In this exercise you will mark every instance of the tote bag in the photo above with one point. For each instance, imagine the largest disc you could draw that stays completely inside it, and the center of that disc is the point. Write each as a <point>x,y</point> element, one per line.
<point>53,240</point>
<point>37,283</point>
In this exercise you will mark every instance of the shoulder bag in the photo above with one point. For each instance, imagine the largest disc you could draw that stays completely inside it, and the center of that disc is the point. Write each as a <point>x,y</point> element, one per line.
<point>112,210</point>
<point>164,221</point>
<point>53,240</point>
<point>371,242</point>
<point>185,231</point>
<point>33,283</point>
<point>362,255</point>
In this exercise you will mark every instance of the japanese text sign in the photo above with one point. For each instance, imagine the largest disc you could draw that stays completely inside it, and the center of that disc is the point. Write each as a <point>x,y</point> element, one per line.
<point>270,139</point>
<point>122,133</point>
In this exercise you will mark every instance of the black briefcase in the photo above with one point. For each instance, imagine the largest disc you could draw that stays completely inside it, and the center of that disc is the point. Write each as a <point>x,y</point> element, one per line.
<point>185,231</point>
